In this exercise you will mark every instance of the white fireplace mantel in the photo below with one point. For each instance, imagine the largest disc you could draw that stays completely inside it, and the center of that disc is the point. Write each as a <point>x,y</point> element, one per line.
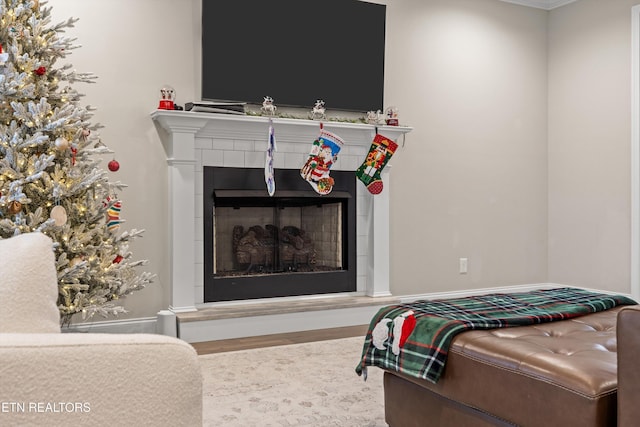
<point>194,140</point>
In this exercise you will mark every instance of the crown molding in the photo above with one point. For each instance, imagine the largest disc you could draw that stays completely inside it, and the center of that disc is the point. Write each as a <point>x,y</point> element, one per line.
<point>541,4</point>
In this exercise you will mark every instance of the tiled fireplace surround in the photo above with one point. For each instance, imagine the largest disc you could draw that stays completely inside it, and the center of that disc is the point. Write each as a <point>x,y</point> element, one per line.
<point>195,140</point>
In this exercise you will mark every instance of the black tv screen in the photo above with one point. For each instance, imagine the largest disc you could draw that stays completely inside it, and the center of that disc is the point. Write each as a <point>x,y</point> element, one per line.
<point>295,51</point>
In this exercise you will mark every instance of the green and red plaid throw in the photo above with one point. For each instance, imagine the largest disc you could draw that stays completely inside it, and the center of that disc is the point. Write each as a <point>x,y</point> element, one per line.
<point>414,338</point>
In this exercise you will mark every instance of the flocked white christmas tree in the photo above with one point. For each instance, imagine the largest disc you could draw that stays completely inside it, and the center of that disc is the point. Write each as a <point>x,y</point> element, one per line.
<point>50,175</point>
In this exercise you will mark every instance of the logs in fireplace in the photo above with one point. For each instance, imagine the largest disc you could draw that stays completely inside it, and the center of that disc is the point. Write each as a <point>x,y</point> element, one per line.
<point>272,249</point>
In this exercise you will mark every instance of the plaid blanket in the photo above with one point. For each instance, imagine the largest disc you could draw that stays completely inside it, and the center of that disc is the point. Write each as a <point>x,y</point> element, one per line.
<point>414,338</point>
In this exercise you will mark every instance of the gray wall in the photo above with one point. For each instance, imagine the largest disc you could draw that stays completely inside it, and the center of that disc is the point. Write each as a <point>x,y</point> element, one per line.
<point>471,77</point>
<point>135,47</point>
<point>589,144</point>
<point>519,159</point>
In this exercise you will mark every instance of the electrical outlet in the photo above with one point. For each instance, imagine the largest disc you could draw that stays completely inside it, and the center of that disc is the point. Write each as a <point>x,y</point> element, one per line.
<point>464,265</point>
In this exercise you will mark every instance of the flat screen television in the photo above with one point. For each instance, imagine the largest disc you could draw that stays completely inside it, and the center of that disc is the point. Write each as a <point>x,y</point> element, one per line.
<point>295,51</point>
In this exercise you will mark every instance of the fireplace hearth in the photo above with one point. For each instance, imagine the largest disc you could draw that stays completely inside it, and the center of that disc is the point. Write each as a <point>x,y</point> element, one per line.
<point>294,243</point>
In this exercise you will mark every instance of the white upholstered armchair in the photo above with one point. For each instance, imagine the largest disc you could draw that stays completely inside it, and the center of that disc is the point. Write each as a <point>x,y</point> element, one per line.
<point>50,378</point>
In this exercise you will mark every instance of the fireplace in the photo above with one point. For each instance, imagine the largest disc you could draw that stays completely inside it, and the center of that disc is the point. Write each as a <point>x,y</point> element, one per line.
<point>195,141</point>
<point>292,244</point>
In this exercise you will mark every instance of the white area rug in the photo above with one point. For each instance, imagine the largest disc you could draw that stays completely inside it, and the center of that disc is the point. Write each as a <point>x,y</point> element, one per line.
<point>311,384</point>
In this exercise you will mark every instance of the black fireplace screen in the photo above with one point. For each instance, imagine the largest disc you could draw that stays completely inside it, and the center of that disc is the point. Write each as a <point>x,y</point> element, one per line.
<point>295,243</point>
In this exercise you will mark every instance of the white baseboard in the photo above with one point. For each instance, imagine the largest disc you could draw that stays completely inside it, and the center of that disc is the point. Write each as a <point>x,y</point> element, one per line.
<point>483,291</point>
<point>145,325</point>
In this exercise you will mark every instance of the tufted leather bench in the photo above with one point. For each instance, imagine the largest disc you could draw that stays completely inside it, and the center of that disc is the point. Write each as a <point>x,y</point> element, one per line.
<point>561,373</point>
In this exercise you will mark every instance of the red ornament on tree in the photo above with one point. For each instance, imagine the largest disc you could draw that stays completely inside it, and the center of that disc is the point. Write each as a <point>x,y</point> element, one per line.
<point>40,71</point>
<point>113,165</point>
<point>118,259</point>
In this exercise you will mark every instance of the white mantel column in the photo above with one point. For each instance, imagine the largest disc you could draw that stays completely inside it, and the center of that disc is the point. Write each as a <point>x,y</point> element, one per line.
<point>378,270</point>
<point>179,144</point>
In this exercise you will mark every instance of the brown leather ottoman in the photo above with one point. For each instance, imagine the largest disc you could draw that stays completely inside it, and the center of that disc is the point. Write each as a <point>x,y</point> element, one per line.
<point>561,373</point>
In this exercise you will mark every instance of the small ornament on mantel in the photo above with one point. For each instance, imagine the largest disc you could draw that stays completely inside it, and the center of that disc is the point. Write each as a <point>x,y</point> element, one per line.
<point>268,107</point>
<point>167,97</point>
<point>113,165</point>
<point>392,116</point>
<point>318,111</point>
<point>375,117</point>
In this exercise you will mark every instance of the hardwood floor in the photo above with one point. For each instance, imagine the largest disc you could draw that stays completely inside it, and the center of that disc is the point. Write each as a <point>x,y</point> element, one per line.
<point>221,346</point>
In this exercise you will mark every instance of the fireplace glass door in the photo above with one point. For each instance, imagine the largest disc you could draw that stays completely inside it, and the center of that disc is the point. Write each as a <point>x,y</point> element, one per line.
<point>292,236</point>
<point>294,243</point>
